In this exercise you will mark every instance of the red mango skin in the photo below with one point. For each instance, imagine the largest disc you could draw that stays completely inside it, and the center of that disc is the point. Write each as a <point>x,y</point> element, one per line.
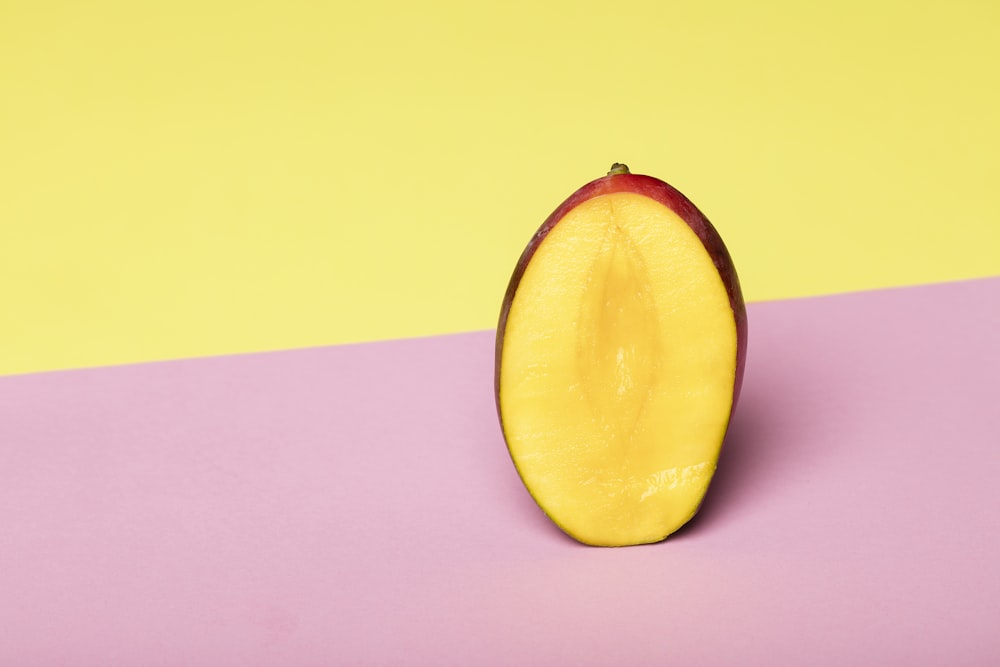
<point>671,198</point>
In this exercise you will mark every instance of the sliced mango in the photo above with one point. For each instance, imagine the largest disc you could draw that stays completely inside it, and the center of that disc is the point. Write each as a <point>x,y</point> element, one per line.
<point>617,363</point>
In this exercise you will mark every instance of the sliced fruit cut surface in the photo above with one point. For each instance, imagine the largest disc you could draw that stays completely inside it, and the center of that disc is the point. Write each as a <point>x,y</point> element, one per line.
<point>616,374</point>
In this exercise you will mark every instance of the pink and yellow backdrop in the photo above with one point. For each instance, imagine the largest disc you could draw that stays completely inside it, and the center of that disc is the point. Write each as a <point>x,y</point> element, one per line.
<point>255,193</point>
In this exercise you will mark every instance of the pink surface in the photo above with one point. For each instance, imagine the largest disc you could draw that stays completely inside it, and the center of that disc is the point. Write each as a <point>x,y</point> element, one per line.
<point>355,505</point>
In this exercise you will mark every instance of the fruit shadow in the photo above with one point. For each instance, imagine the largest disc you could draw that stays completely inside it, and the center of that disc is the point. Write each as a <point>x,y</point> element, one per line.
<point>756,452</point>
<point>743,466</point>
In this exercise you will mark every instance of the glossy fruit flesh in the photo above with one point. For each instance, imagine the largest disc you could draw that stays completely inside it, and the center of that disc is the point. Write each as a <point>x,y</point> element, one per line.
<point>617,370</point>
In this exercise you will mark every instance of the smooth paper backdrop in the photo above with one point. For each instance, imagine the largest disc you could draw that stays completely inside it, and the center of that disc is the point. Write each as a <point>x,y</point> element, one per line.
<point>355,505</point>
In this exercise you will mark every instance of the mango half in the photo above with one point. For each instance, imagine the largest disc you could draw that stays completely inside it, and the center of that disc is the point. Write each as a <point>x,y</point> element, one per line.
<point>619,359</point>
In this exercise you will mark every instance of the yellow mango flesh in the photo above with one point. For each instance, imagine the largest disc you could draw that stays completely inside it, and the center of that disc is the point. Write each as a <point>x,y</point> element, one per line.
<point>617,371</point>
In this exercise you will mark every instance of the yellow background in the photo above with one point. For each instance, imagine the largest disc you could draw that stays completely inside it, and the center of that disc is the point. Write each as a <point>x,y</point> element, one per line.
<point>194,178</point>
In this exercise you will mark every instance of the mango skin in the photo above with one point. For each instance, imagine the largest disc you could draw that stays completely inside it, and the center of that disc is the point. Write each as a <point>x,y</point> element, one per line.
<point>674,200</point>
